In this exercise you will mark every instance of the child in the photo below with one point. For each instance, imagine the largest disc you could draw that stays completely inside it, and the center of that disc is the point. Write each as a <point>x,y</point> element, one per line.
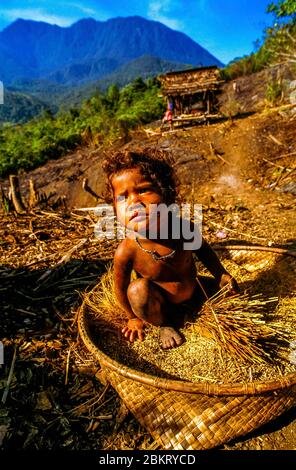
<point>166,272</point>
<point>168,117</point>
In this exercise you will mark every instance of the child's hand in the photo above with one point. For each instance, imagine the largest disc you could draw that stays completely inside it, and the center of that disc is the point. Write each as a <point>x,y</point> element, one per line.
<point>228,281</point>
<point>134,330</point>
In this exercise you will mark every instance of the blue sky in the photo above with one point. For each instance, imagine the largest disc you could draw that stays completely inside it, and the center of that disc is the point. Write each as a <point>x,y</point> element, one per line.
<point>227,28</point>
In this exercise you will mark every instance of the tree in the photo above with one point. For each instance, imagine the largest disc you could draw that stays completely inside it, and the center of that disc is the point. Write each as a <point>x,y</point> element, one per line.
<point>138,84</point>
<point>281,39</point>
<point>113,95</point>
<point>283,9</point>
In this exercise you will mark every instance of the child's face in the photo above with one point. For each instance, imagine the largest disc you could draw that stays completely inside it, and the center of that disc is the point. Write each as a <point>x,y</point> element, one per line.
<point>133,194</point>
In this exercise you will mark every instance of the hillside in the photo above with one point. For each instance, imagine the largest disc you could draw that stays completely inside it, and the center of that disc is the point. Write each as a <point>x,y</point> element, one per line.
<point>103,118</point>
<point>144,67</point>
<point>90,49</point>
<point>44,90</point>
<point>20,107</point>
<point>245,144</point>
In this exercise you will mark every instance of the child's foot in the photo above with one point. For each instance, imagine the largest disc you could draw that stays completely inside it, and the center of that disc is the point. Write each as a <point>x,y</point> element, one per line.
<point>169,337</point>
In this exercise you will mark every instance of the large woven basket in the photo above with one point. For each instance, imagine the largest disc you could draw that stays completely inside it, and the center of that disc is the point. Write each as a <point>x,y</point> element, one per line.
<point>183,415</point>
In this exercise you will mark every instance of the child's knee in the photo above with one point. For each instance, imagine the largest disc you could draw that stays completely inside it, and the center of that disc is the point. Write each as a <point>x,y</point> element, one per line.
<point>138,291</point>
<point>146,302</point>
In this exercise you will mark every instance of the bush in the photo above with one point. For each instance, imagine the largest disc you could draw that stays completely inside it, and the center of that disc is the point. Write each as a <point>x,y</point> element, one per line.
<point>274,92</point>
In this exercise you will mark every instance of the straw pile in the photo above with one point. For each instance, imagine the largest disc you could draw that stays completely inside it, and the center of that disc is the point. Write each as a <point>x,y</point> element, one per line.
<point>240,326</point>
<point>241,338</point>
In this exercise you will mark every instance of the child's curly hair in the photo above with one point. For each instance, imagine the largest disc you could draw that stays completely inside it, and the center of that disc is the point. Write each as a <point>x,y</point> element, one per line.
<point>155,165</point>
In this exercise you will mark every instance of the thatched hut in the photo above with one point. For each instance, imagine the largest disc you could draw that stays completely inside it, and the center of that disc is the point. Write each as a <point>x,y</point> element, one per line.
<point>192,91</point>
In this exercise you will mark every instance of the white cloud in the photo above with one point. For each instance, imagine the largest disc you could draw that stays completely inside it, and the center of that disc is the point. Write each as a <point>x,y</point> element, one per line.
<point>37,14</point>
<point>83,9</point>
<point>158,10</point>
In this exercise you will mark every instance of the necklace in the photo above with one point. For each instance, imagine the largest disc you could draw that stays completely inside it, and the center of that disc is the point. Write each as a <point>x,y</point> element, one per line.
<point>154,254</point>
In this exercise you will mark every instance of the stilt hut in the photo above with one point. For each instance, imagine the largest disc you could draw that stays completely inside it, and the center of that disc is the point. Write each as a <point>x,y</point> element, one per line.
<point>193,91</point>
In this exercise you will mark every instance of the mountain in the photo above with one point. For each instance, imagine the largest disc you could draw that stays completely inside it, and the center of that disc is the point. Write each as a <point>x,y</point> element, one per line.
<point>20,107</point>
<point>90,49</point>
<point>38,88</point>
<point>144,67</point>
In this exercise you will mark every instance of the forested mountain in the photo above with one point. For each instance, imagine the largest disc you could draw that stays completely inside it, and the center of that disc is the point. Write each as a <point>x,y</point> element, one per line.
<point>20,107</point>
<point>90,49</point>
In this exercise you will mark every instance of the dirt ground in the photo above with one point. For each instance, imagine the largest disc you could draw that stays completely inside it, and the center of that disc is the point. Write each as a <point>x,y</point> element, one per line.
<point>243,173</point>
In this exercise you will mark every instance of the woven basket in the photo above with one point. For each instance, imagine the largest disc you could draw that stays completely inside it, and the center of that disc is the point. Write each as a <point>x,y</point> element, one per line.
<point>183,415</point>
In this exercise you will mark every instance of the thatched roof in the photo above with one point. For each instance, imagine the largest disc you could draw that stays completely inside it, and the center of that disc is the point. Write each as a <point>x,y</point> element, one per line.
<point>191,81</point>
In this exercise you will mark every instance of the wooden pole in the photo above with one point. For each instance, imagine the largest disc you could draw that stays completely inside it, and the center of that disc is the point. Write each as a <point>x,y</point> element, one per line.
<point>16,194</point>
<point>208,103</point>
<point>33,194</point>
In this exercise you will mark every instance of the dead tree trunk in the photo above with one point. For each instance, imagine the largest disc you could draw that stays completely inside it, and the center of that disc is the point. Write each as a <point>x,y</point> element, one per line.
<point>5,203</point>
<point>16,194</point>
<point>33,194</point>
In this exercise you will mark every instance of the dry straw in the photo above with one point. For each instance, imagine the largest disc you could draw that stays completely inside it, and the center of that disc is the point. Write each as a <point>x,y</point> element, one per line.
<point>243,326</point>
<point>102,301</point>
<point>183,415</point>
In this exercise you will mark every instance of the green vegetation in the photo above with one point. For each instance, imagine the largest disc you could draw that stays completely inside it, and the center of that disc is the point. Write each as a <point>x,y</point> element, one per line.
<point>283,9</point>
<point>50,94</point>
<point>20,107</point>
<point>103,118</point>
<point>278,44</point>
<point>274,91</point>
